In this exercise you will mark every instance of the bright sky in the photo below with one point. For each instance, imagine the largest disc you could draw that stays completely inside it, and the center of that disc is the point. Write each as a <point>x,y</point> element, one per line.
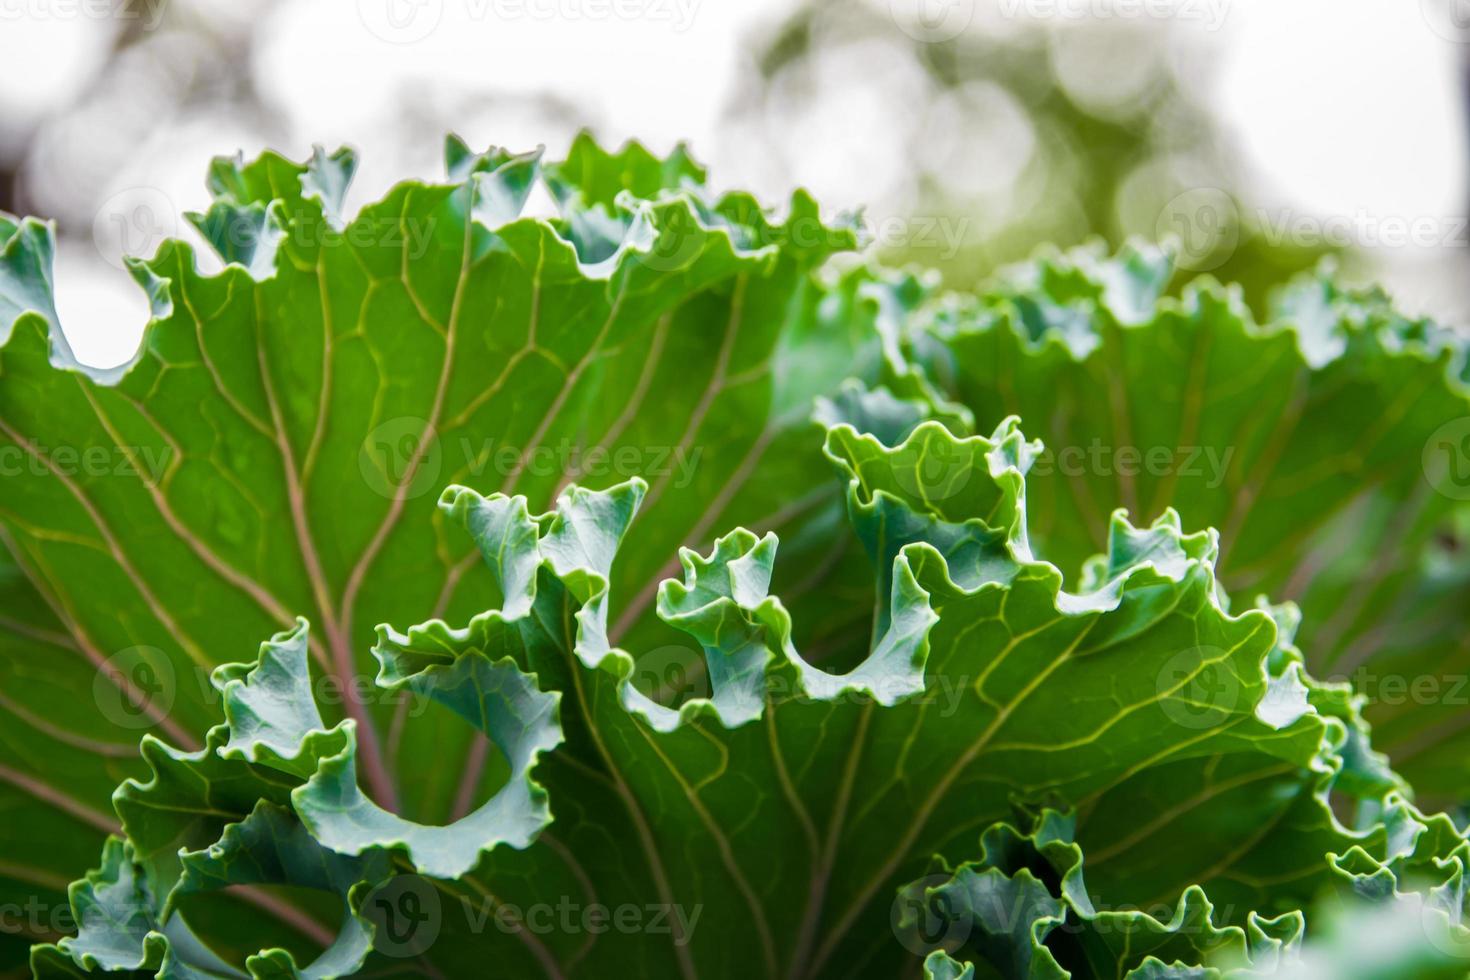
<point>1348,105</point>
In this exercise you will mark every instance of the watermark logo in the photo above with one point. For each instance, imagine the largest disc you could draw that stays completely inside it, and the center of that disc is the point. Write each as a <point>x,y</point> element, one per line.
<point>1197,688</point>
<point>926,916</point>
<point>672,674</point>
<point>1209,464</point>
<point>401,458</point>
<point>411,21</point>
<point>147,463</point>
<point>676,248</point>
<point>134,222</point>
<point>941,235</point>
<point>1449,19</point>
<point>1400,689</point>
<point>1362,229</point>
<point>134,687</point>
<point>681,240</point>
<point>1442,925</point>
<point>37,917</point>
<point>932,21</point>
<point>404,457</point>
<point>400,21</point>
<point>406,916</point>
<point>1210,14</point>
<point>932,469</point>
<point>149,13</point>
<point>1446,459</point>
<point>1205,225</point>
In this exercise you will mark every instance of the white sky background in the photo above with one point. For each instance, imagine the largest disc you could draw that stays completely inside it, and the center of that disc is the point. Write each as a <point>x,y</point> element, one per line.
<point>1346,109</point>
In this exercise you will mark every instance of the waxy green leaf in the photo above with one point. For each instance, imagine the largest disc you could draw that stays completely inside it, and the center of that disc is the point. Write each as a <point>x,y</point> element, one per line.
<point>756,660</point>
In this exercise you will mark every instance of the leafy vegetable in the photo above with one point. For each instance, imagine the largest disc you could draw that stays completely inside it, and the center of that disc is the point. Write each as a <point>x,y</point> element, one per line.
<point>1326,445</point>
<point>875,717</point>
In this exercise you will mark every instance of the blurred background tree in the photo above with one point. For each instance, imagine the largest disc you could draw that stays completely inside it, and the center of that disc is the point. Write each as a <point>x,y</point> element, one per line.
<point>1024,134</point>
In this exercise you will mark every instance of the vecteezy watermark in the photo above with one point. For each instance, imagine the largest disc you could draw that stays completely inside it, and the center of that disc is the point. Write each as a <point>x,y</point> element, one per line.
<point>410,234</point>
<point>672,674</point>
<point>933,469</point>
<point>409,913</point>
<point>149,463</point>
<point>932,21</point>
<point>149,13</point>
<point>938,469</point>
<point>1393,690</point>
<point>135,221</point>
<point>943,235</point>
<point>401,21</point>
<point>1210,14</point>
<point>405,456</point>
<point>1361,229</point>
<point>401,457</point>
<point>1209,463</point>
<point>1449,19</point>
<point>1204,225</point>
<point>1446,459</point>
<point>570,917</point>
<point>940,911</point>
<point>680,243</point>
<point>1443,926</point>
<point>945,692</point>
<point>33,916</point>
<point>927,915</point>
<point>411,21</point>
<point>135,687</point>
<point>1197,689</point>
